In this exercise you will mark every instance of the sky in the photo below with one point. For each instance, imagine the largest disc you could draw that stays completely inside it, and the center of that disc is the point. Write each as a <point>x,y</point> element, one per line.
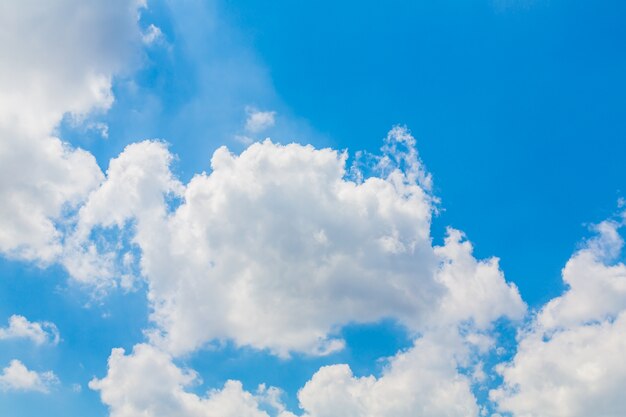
<point>312,209</point>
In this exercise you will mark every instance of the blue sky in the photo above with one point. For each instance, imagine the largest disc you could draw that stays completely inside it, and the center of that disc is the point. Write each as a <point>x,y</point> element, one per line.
<point>276,267</point>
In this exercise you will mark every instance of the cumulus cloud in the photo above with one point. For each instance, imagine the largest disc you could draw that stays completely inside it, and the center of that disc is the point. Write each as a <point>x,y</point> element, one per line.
<point>437,376</point>
<point>146,382</point>
<point>570,360</point>
<point>423,381</point>
<point>16,377</point>
<point>20,328</point>
<point>63,57</point>
<point>276,248</point>
<point>476,290</point>
<point>137,183</point>
<point>40,178</point>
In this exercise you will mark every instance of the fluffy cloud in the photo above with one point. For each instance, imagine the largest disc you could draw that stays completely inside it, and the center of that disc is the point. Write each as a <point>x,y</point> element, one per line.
<point>20,328</point>
<point>16,377</point>
<point>476,290</point>
<point>137,182</point>
<point>423,381</point>
<point>570,360</point>
<point>276,248</point>
<point>430,379</point>
<point>147,383</point>
<point>63,56</point>
<point>596,288</point>
<point>40,179</point>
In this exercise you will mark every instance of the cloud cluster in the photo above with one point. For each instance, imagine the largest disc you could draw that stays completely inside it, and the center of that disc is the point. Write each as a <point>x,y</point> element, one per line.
<point>20,328</point>
<point>63,56</point>
<point>276,249</point>
<point>423,381</point>
<point>16,377</point>
<point>568,361</point>
<point>146,382</point>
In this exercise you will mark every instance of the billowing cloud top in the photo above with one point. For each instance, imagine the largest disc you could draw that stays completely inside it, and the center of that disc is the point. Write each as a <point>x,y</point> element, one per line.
<point>276,248</point>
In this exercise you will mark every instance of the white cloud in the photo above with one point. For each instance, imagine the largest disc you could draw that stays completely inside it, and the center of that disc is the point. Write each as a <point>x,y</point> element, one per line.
<point>20,328</point>
<point>151,35</point>
<point>578,372</point>
<point>569,361</point>
<point>16,377</point>
<point>476,289</point>
<point>423,381</point>
<point>62,57</point>
<point>276,248</point>
<point>136,184</point>
<point>147,383</point>
<point>40,178</point>
<point>596,289</point>
<point>258,121</point>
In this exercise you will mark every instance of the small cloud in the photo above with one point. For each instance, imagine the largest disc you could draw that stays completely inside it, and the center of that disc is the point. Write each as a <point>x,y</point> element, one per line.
<point>17,377</point>
<point>243,139</point>
<point>20,328</point>
<point>101,128</point>
<point>151,35</point>
<point>259,121</point>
